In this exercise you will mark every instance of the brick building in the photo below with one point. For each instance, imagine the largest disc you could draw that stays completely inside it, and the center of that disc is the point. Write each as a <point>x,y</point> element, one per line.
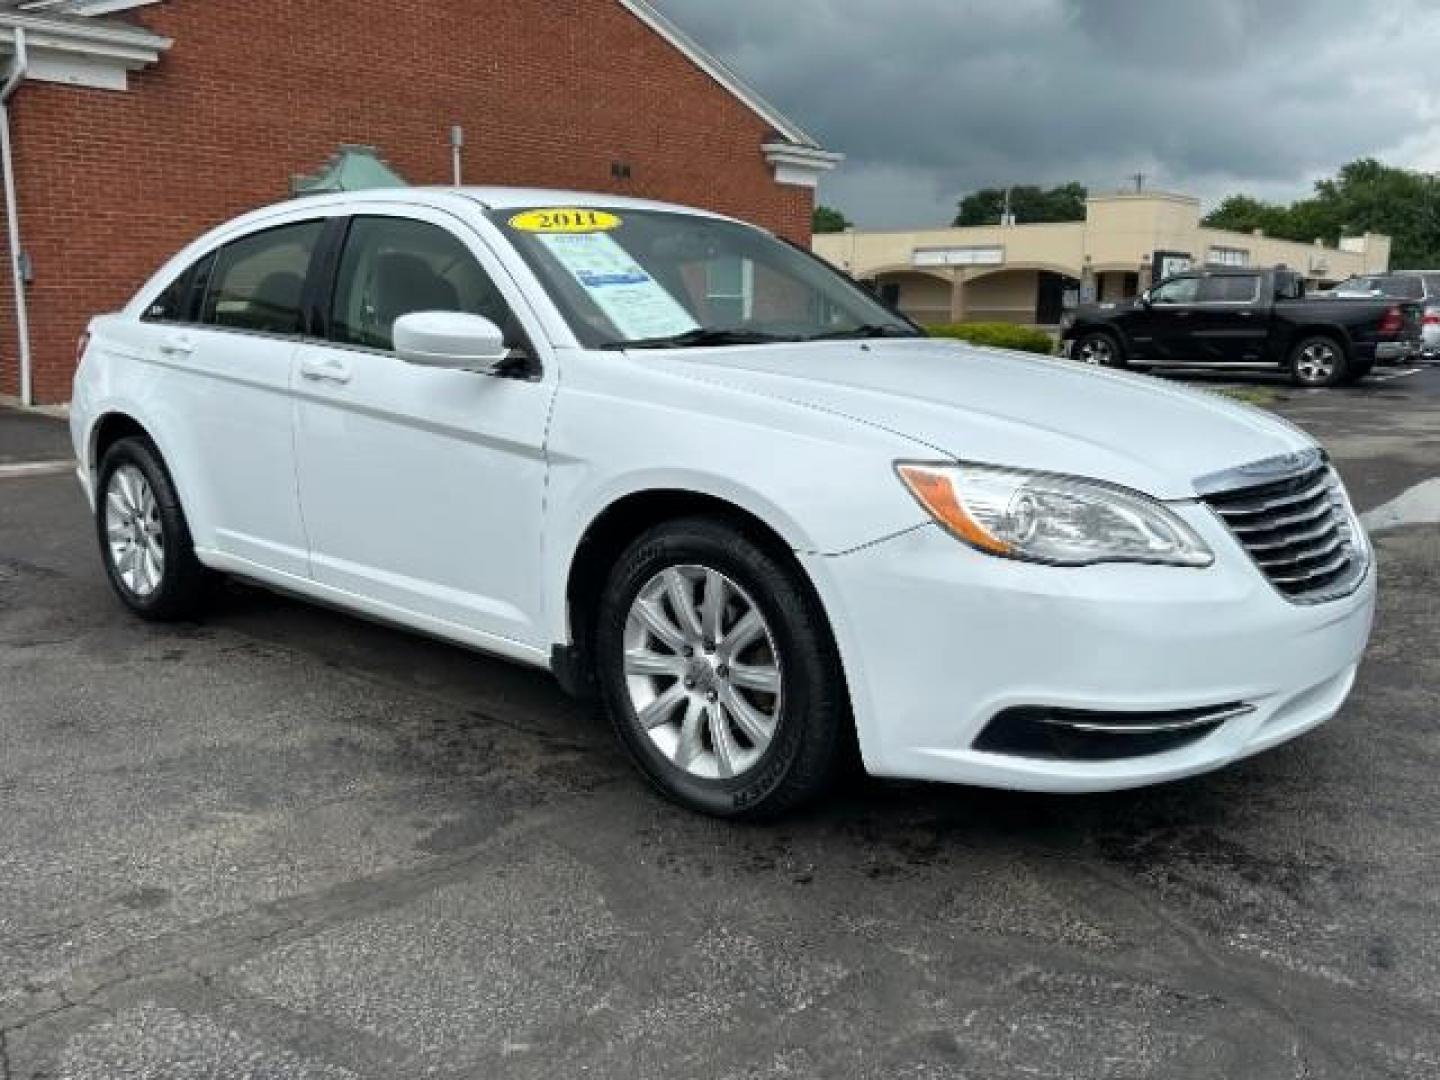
<point>136,124</point>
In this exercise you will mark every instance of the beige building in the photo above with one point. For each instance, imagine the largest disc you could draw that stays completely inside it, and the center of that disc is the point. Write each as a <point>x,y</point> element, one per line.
<point>1029,273</point>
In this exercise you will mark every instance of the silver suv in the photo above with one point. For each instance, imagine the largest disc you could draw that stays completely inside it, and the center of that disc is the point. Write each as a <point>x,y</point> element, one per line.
<point>1421,285</point>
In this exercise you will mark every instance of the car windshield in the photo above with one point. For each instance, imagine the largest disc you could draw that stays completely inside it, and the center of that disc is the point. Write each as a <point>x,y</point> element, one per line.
<point>627,278</point>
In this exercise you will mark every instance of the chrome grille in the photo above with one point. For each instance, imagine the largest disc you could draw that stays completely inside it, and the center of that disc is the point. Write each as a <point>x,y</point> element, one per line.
<point>1296,526</point>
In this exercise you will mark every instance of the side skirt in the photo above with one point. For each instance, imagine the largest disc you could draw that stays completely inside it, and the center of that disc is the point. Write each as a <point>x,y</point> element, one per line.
<point>389,614</point>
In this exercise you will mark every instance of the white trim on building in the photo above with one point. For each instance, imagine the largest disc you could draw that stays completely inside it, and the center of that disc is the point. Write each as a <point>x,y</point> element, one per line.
<point>80,51</point>
<point>800,165</point>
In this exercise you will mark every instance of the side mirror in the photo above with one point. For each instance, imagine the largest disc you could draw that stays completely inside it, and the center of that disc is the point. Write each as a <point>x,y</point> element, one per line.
<point>1144,299</point>
<point>449,339</point>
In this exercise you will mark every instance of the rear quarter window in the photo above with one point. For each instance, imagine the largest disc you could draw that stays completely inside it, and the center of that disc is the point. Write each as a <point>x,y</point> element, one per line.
<point>180,300</point>
<point>1230,289</point>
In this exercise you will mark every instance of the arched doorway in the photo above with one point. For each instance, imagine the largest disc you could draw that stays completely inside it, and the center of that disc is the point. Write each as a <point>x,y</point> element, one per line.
<point>1027,295</point>
<point>925,297</point>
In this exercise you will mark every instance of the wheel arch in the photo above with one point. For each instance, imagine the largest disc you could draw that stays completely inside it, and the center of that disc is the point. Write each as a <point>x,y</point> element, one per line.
<point>1110,330</point>
<point>117,421</point>
<point>610,531</point>
<point>108,429</point>
<point>1333,331</point>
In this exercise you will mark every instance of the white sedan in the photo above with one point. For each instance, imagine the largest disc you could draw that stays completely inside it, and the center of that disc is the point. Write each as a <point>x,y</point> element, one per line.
<point>698,473</point>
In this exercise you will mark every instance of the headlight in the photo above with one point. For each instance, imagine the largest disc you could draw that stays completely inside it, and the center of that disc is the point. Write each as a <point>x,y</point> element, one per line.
<point>1043,517</point>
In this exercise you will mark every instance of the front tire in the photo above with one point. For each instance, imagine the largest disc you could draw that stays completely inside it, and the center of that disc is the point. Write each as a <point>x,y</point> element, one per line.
<point>1319,361</point>
<point>716,665</point>
<point>144,539</point>
<point>1099,350</point>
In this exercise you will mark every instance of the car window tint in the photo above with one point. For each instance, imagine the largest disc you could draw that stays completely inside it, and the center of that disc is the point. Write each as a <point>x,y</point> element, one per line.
<point>1175,291</point>
<point>257,280</point>
<point>1230,289</point>
<point>393,266</point>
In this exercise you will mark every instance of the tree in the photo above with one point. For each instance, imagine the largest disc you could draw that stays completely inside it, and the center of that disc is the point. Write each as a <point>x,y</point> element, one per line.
<point>1028,203</point>
<point>1364,196</point>
<point>828,219</point>
<point>1241,213</point>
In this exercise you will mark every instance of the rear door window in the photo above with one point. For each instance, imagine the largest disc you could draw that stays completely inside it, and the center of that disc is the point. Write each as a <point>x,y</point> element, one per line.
<point>1230,289</point>
<point>258,280</point>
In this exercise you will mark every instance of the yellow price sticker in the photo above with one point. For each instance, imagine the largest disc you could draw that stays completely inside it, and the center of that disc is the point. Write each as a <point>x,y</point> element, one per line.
<point>565,220</point>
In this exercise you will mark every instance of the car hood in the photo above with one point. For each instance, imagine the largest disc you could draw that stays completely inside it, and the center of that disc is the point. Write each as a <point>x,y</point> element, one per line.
<point>1003,408</point>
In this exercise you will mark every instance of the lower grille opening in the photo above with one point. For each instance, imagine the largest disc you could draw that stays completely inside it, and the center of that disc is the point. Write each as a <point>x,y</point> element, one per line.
<point>1036,731</point>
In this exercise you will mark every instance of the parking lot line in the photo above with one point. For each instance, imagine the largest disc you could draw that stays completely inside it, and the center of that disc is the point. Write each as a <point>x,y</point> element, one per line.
<point>1401,374</point>
<point>35,468</point>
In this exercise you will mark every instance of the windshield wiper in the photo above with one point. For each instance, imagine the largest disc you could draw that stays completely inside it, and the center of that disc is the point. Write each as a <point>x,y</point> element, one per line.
<point>699,337</point>
<point>866,330</point>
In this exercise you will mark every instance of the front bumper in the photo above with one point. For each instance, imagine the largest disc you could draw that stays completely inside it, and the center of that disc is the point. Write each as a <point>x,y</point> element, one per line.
<point>938,640</point>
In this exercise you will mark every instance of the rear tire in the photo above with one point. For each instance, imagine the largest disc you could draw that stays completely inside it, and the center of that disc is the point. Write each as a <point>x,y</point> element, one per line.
<point>1099,349</point>
<point>144,539</point>
<point>716,665</point>
<point>1319,361</point>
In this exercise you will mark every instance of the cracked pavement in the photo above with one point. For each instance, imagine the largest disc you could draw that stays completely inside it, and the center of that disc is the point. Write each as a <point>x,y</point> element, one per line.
<point>284,843</point>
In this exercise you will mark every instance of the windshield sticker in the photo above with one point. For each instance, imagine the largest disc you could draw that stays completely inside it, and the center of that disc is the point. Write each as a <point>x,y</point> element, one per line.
<point>564,220</point>
<point>637,304</point>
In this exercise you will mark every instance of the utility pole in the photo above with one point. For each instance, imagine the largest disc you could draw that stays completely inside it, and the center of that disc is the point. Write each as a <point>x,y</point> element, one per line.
<point>1007,216</point>
<point>1139,179</point>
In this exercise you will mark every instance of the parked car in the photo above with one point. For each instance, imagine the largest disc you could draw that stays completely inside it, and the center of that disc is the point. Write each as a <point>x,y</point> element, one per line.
<point>693,470</point>
<point>1422,286</point>
<point>1246,317</point>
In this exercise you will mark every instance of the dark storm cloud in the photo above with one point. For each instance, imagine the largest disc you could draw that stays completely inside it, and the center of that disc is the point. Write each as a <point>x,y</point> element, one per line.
<point>931,98</point>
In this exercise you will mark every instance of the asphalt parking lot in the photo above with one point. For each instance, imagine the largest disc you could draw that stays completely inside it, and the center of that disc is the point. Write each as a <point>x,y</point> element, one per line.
<point>287,843</point>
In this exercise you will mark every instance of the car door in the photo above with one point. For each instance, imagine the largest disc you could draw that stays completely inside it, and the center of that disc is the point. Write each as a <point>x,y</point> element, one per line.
<point>422,488</point>
<point>1229,321</point>
<point>1170,321</point>
<point>228,348</point>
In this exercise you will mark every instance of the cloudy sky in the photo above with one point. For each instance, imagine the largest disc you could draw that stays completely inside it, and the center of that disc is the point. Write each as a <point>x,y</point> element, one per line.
<point>929,99</point>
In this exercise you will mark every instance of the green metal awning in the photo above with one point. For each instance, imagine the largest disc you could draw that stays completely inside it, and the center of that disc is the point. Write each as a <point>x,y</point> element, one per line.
<point>352,168</point>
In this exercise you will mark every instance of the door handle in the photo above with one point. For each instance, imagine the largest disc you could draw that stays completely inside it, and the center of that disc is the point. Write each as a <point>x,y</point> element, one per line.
<point>325,371</point>
<point>177,345</point>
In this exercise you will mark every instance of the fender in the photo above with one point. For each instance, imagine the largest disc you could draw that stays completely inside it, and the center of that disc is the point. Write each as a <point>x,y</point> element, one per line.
<point>566,527</point>
<point>131,409</point>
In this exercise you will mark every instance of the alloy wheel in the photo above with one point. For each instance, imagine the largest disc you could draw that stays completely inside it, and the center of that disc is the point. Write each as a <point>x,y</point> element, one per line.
<point>1317,362</point>
<point>702,671</point>
<point>134,536</point>
<point>1096,350</point>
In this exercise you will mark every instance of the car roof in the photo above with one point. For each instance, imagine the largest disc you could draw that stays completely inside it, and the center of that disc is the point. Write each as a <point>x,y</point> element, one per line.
<point>509,198</point>
<point>491,198</point>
